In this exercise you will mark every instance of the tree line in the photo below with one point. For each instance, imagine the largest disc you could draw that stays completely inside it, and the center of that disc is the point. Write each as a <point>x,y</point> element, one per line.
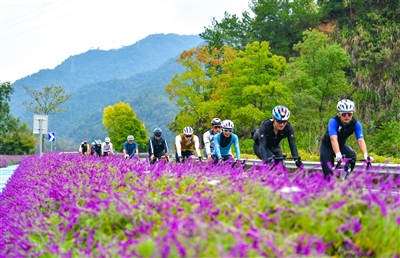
<point>306,55</point>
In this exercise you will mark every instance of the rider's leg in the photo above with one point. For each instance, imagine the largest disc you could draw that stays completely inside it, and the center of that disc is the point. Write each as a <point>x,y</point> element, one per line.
<point>256,149</point>
<point>326,158</point>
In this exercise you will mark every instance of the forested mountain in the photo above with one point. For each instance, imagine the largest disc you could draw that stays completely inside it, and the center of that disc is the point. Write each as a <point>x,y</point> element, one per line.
<point>135,74</point>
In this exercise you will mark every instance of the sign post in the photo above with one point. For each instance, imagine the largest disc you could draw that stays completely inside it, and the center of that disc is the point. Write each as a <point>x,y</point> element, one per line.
<point>40,124</point>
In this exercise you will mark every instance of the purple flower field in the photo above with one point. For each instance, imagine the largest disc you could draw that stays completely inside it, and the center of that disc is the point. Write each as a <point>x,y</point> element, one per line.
<point>74,206</point>
<point>7,160</point>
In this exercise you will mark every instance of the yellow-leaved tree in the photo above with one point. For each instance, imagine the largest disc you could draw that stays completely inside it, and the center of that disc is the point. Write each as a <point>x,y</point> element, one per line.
<point>120,121</point>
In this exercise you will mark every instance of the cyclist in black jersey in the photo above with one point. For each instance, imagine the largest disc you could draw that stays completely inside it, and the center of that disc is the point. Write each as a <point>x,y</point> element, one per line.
<point>333,143</point>
<point>158,147</point>
<point>270,134</point>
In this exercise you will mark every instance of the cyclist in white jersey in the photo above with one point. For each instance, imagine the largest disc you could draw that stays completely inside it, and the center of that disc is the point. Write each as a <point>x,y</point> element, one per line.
<point>106,147</point>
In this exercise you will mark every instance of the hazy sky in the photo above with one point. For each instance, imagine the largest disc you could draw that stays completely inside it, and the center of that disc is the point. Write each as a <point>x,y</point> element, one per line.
<point>39,35</point>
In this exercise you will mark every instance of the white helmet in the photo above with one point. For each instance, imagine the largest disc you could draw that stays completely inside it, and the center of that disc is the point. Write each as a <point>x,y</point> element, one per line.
<point>107,139</point>
<point>346,105</point>
<point>130,138</point>
<point>188,130</point>
<point>227,124</point>
<point>281,113</point>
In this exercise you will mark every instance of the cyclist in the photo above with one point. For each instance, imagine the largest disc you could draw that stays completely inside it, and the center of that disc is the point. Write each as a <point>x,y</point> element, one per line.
<point>271,132</point>
<point>158,146</point>
<point>84,148</point>
<point>106,147</point>
<point>130,149</point>
<point>223,142</point>
<point>185,145</point>
<point>92,152</point>
<point>333,143</point>
<point>208,138</point>
<point>97,148</point>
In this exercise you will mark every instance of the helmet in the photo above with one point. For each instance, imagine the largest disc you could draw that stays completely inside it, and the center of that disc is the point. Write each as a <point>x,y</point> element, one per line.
<point>281,113</point>
<point>227,124</point>
<point>345,105</point>
<point>216,121</point>
<point>107,139</point>
<point>188,130</point>
<point>157,132</point>
<point>130,138</point>
<point>85,141</point>
<point>94,143</point>
<point>98,141</point>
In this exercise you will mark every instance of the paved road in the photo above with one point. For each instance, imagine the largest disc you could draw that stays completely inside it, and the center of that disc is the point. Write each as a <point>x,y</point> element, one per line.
<point>5,173</point>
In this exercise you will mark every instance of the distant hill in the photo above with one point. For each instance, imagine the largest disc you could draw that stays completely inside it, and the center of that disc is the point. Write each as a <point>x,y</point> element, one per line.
<point>135,74</point>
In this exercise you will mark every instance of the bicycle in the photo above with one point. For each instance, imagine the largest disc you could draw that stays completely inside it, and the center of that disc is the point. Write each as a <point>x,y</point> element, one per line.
<point>281,160</point>
<point>347,170</point>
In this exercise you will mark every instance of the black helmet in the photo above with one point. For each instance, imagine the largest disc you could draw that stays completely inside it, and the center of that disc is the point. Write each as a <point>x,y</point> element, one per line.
<point>216,121</point>
<point>157,132</point>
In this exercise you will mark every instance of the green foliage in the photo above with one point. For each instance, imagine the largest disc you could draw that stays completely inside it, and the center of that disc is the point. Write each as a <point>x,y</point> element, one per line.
<point>18,141</point>
<point>386,140</point>
<point>317,79</point>
<point>120,121</point>
<point>247,90</point>
<point>6,119</point>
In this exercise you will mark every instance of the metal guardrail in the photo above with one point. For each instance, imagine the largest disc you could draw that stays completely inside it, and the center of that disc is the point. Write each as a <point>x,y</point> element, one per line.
<point>387,168</point>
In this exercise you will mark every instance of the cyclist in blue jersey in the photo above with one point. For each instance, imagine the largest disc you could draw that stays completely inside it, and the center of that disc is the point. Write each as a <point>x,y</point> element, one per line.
<point>333,143</point>
<point>131,149</point>
<point>223,142</point>
<point>270,134</point>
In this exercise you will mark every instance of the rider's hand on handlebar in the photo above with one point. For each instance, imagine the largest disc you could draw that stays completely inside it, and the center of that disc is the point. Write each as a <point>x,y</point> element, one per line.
<point>298,162</point>
<point>368,158</point>
<point>339,157</point>
<point>199,158</point>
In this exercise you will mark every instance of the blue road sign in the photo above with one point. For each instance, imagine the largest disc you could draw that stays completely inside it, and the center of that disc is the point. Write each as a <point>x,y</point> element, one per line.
<point>51,137</point>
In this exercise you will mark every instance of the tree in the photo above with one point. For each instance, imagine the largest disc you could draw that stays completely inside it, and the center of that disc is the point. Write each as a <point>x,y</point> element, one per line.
<point>192,89</point>
<point>48,101</point>
<point>19,141</point>
<point>279,22</point>
<point>120,121</point>
<point>318,81</point>
<point>248,88</point>
<point>7,121</point>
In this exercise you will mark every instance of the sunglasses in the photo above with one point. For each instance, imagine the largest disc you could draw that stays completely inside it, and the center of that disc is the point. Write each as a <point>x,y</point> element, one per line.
<point>227,130</point>
<point>217,127</point>
<point>188,136</point>
<point>348,114</point>
<point>281,121</point>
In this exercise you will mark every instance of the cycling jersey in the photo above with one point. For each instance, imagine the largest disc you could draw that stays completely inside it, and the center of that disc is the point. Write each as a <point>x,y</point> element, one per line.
<point>106,148</point>
<point>222,145</point>
<point>336,127</point>
<point>268,140</point>
<point>208,139</point>
<point>157,147</point>
<point>130,148</point>
<point>184,144</point>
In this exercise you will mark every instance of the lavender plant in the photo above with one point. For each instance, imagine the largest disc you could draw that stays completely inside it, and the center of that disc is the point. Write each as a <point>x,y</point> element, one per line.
<point>73,206</point>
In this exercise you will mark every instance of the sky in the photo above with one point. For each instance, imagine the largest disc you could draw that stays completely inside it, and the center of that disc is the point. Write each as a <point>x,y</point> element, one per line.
<point>38,35</point>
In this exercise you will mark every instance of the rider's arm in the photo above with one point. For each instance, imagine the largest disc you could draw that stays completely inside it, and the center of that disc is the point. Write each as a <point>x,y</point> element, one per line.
<point>197,145</point>
<point>151,148</point>
<point>124,149</point>
<point>360,138</point>
<point>137,149</point>
<point>333,135</point>
<point>80,148</point>
<point>178,145</point>
<point>235,140</point>
<point>102,149</point>
<point>166,147</point>
<point>263,142</point>
<point>206,140</point>
<point>217,147</point>
<point>292,142</point>
<point>111,148</point>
